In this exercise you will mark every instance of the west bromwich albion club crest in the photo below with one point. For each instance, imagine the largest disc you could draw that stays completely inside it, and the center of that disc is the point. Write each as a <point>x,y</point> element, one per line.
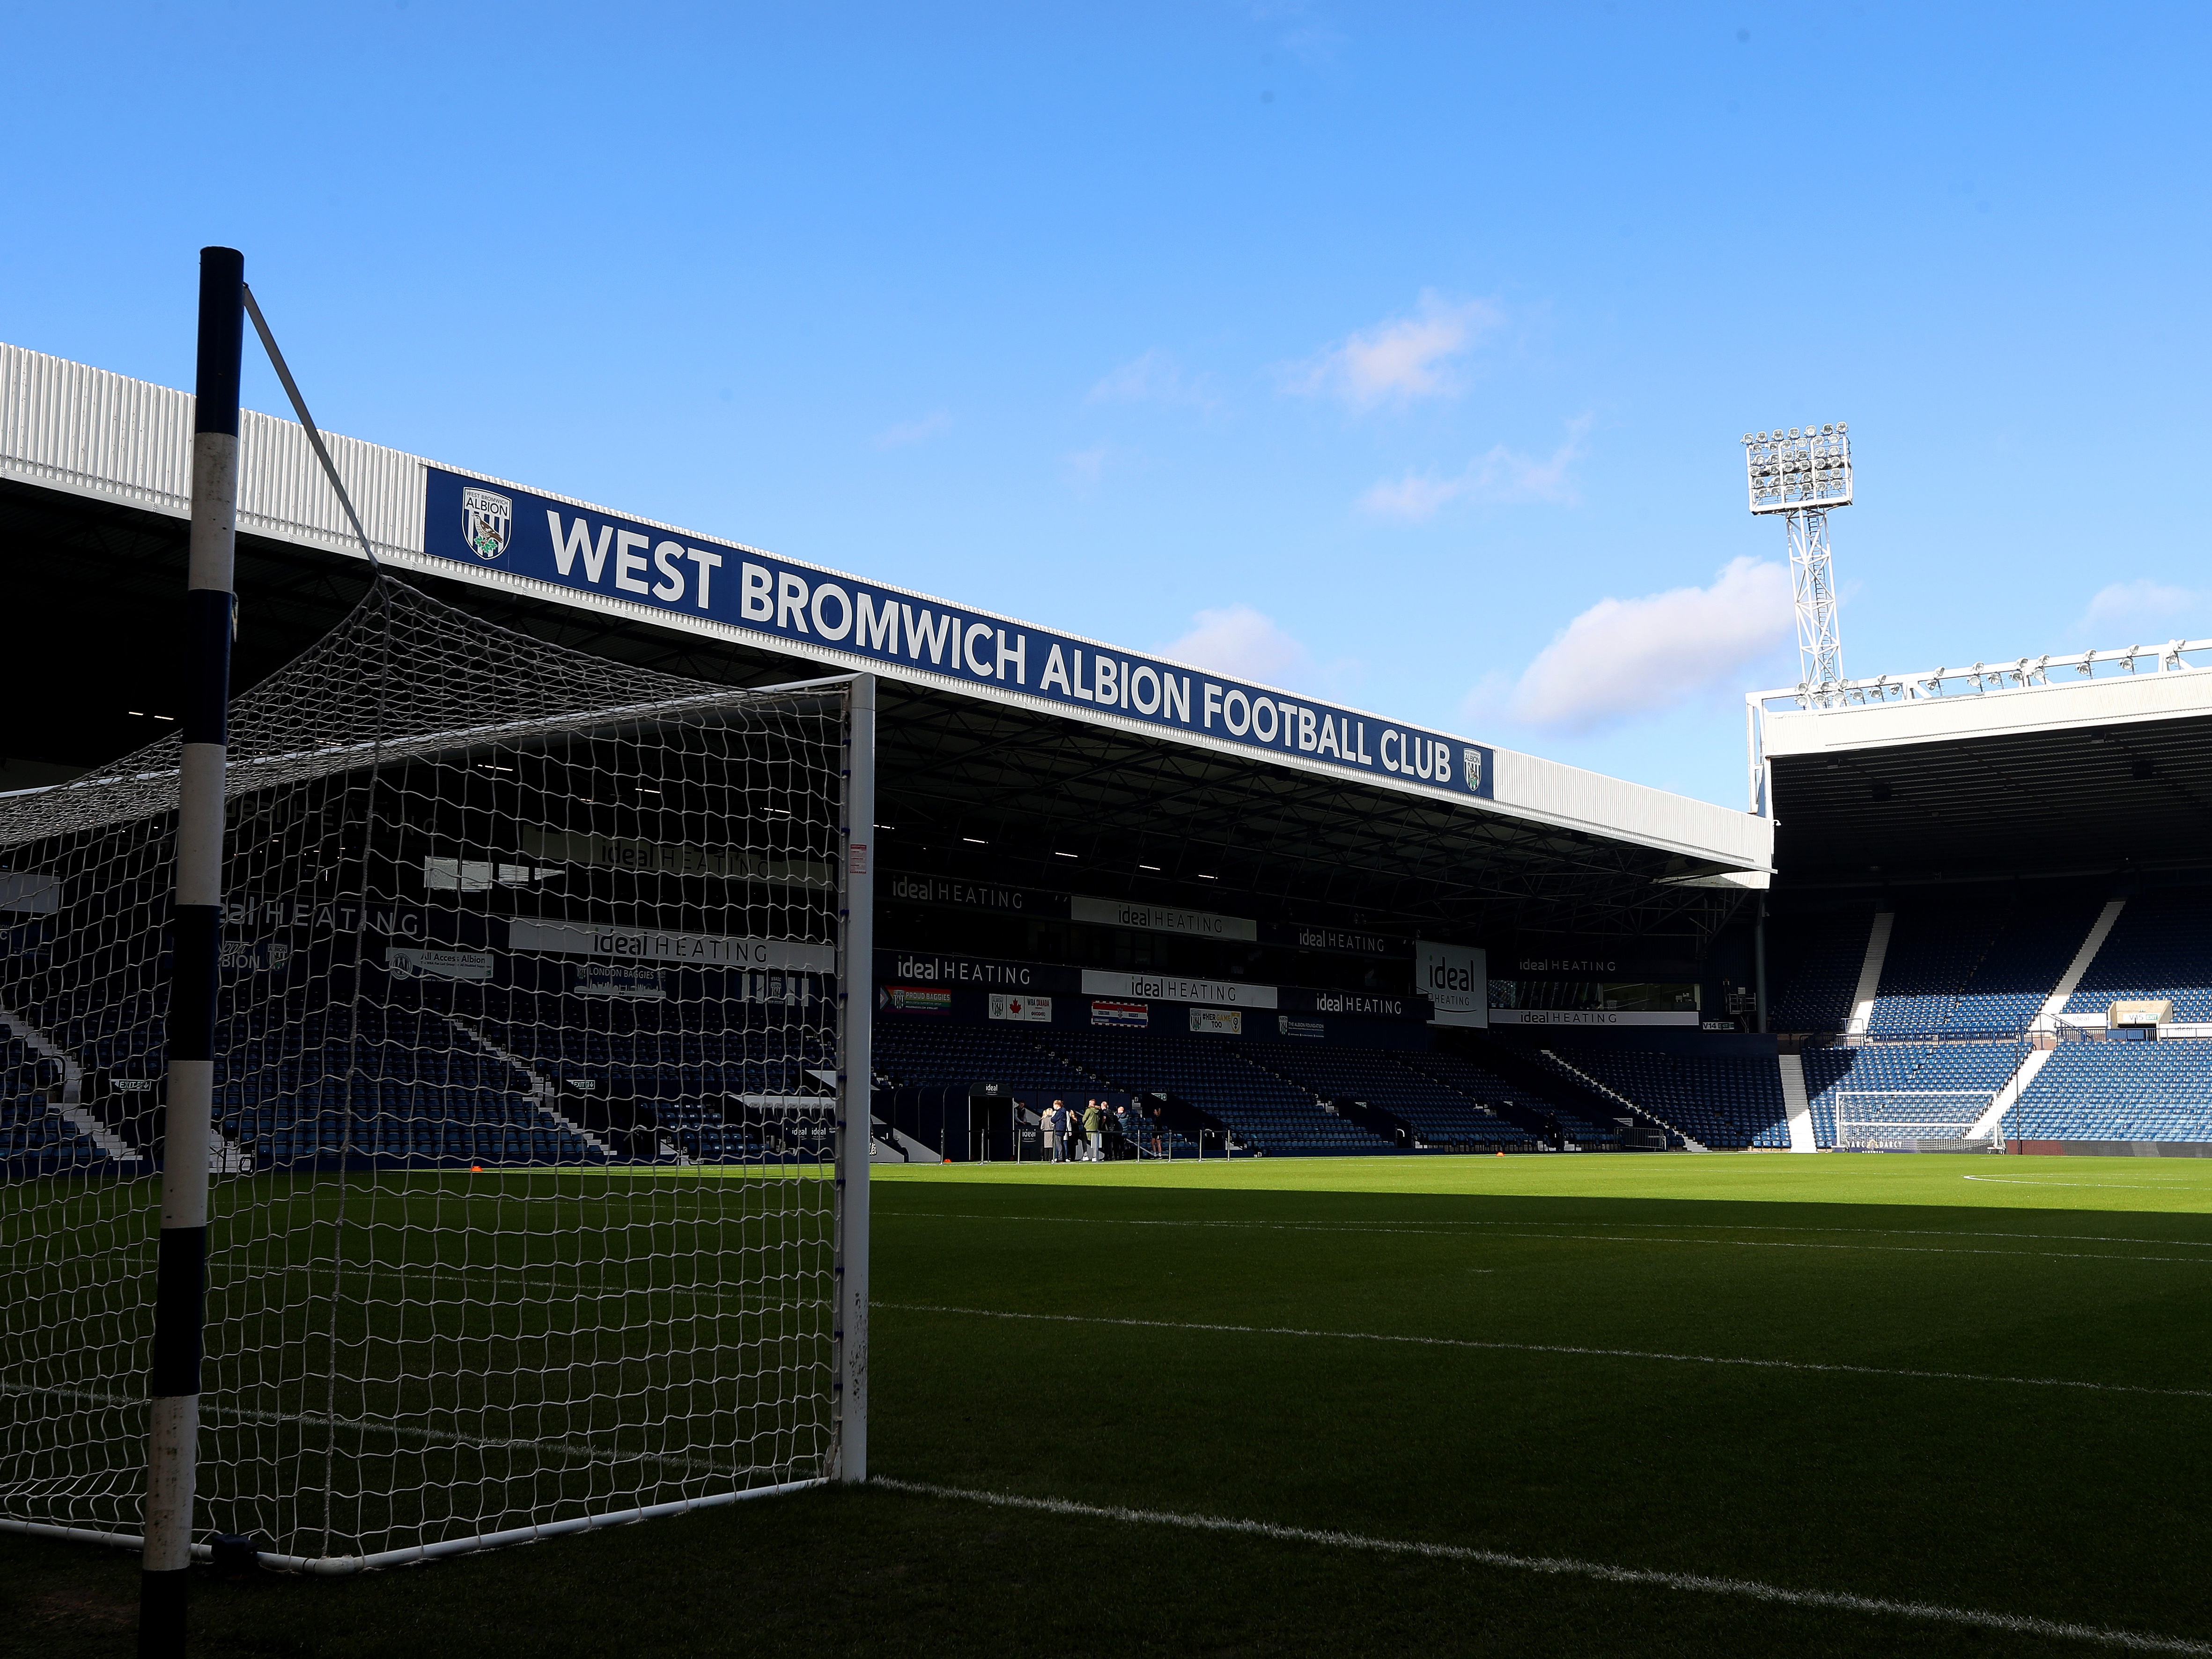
<point>1473,774</point>
<point>489,520</point>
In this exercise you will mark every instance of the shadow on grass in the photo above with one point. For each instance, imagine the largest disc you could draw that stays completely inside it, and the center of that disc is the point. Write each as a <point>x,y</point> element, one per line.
<point>871,1573</point>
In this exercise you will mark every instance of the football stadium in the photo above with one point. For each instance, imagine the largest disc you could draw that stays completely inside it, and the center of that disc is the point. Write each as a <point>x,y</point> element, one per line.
<point>1112,1156</point>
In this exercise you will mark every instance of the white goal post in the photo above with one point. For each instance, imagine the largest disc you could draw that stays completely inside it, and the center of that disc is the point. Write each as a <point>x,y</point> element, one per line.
<point>1917,1119</point>
<point>540,1130</point>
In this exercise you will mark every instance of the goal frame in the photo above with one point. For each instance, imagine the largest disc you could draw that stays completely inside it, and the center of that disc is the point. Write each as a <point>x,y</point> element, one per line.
<point>1918,1133</point>
<point>846,1460</point>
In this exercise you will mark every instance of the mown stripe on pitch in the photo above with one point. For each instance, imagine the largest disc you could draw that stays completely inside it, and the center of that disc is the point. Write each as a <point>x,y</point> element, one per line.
<point>2012,1624</point>
<point>1555,1347</point>
<point>1457,1230</point>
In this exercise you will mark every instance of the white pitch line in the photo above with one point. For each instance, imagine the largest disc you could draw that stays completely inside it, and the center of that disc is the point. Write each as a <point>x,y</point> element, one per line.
<point>2132,1186</point>
<point>1586,1238</point>
<point>1445,1228</point>
<point>2012,1624</point>
<point>1558,1347</point>
<point>1887,1249</point>
<point>1877,1232</point>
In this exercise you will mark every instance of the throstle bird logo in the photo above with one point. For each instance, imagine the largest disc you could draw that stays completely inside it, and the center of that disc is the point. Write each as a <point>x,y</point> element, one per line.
<point>1473,774</point>
<point>488,521</point>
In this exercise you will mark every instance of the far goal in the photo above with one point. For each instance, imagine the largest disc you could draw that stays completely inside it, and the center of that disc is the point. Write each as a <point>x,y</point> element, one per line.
<point>1918,1120</point>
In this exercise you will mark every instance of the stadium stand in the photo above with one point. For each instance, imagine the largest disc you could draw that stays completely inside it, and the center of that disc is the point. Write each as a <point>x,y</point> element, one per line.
<point>2106,1090</point>
<point>2160,946</point>
<point>397,1085</point>
<point>295,1083</point>
<point>932,1054</point>
<point>1479,1083</point>
<point>636,1071</point>
<point>1925,1069</point>
<point>1721,1102</point>
<point>1962,981</point>
<point>35,1138</point>
<point>1813,968</point>
<point>1975,970</point>
<point>918,1053</point>
<point>1438,1115</point>
<point>1266,1113</point>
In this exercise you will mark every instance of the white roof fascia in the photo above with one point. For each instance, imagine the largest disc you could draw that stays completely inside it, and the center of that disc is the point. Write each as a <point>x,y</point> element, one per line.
<point>2012,712</point>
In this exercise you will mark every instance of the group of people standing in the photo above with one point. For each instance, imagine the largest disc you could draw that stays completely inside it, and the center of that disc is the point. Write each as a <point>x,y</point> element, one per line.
<point>1073,1136</point>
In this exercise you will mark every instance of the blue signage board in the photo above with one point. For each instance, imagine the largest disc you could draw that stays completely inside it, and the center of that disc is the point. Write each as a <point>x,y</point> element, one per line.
<point>469,521</point>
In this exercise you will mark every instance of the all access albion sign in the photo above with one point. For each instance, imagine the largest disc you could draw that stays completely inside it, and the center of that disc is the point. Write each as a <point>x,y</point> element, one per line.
<point>472,522</point>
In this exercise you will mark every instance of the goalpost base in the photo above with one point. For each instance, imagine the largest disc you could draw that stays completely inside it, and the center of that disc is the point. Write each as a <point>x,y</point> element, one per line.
<point>341,1566</point>
<point>1981,1148</point>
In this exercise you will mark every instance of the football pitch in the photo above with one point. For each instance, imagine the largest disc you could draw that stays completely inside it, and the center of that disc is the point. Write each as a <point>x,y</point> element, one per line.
<point>1573,1405</point>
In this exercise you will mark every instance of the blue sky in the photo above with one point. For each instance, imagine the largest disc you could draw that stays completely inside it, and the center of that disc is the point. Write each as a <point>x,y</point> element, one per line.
<point>1395,353</point>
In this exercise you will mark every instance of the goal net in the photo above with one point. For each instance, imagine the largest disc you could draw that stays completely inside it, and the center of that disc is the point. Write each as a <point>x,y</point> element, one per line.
<point>523,1211</point>
<point>1917,1119</point>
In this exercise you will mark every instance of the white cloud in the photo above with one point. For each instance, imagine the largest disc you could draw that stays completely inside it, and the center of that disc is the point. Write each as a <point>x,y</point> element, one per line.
<point>1156,377</point>
<point>1501,475</point>
<point>1249,644</point>
<point>1402,359</point>
<point>1414,498</point>
<point>1625,657</point>
<point>1315,46</point>
<point>915,432</point>
<point>1086,467</point>
<point>1243,641</point>
<point>2144,606</point>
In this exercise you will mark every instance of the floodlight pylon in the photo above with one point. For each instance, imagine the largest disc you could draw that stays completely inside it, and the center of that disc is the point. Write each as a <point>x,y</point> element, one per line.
<point>1812,582</point>
<point>1802,475</point>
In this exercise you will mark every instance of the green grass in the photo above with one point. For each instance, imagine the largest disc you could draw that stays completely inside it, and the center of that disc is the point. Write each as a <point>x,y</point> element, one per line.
<point>2080,1505</point>
<point>480,1367</point>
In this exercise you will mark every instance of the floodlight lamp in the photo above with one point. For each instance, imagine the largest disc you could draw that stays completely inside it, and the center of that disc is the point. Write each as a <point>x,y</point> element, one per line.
<point>1802,469</point>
